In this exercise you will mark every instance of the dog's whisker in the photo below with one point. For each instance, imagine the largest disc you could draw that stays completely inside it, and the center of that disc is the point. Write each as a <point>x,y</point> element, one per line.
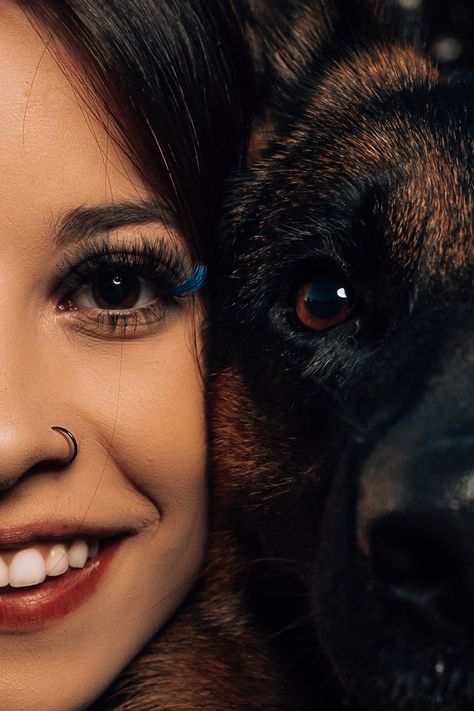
<point>294,625</point>
<point>295,564</point>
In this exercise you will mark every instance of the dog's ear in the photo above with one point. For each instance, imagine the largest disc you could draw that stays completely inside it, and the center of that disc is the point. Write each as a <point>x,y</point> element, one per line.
<point>382,20</point>
<point>291,38</point>
<point>284,35</point>
<point>287,35</point>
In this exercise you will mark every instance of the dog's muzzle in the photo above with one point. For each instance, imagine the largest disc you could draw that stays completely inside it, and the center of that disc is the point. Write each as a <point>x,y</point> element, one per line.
<point>415,524</point>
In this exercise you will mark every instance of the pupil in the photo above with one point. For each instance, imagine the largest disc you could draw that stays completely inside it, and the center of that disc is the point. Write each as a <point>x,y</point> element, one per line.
<point>325,298</point>
<point>116,290</point>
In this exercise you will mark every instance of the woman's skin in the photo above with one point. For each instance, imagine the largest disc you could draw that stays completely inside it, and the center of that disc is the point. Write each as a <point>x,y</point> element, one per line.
<point>132,397</point>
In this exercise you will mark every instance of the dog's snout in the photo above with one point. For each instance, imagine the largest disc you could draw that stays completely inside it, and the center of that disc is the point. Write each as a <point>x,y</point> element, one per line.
<point>415,526</point>
<point>426,561</point>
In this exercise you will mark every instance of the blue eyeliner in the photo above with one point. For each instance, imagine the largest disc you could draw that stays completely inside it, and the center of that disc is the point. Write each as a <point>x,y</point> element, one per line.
<point>194,283</point>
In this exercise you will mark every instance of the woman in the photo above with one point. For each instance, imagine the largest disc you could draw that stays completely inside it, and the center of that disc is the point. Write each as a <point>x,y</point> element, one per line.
<point>119,122</point>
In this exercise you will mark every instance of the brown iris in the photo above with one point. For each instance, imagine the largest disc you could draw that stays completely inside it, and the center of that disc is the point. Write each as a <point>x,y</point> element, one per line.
<point>116,289</point>
<point>323,303</point>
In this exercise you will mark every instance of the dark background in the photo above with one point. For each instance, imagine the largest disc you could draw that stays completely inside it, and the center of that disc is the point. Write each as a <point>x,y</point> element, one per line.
<point>450,31</point>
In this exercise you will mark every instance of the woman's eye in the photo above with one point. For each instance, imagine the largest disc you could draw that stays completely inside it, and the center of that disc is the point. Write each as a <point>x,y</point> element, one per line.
<point>128,291</point>
<point>111,289</point>
<point>324,302</point>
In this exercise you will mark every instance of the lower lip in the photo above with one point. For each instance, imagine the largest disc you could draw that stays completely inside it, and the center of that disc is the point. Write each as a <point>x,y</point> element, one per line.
<point>32,608</point>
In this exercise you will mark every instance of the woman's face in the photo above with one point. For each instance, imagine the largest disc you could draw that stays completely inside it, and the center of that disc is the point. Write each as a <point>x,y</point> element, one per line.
<point>93,340</point>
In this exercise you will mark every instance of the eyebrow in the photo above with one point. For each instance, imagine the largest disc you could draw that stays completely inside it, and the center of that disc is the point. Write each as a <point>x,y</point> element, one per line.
<point>82,223</point>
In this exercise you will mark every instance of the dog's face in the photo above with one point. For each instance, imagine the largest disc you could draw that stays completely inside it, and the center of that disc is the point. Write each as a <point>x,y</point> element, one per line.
<point>343,421</point>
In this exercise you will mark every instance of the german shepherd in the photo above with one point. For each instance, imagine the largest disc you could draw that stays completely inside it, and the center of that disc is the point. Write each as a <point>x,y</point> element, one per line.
<point>344,437</point>
<point>341,563</point>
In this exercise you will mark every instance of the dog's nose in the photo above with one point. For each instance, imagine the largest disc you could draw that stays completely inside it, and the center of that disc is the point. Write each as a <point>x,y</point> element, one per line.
<point>415,526</point>
<point>426,561</point>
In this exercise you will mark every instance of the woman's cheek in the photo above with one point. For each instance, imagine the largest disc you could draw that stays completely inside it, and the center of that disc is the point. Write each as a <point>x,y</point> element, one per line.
<point>149,414</point>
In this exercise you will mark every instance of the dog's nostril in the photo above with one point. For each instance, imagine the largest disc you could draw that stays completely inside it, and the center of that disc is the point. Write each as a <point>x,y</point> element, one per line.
<point>405,555</point>
<point>426,565</point>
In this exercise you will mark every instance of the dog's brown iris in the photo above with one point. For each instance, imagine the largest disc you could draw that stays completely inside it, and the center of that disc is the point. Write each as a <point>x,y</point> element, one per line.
<point>323,303</point>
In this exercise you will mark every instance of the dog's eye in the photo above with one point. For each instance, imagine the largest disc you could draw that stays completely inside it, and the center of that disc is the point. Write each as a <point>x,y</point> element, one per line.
<point>324,302</point>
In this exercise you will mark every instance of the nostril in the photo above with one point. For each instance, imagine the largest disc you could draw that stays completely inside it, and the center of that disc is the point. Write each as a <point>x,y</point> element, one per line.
<point>426,565</point>
<point>403,553</point>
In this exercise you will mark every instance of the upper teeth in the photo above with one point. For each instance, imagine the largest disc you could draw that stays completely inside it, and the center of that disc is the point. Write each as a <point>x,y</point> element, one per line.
<point>30,566</point>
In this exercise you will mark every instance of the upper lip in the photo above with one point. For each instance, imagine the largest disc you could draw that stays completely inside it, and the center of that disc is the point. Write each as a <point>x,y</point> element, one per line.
<point>14,536</point>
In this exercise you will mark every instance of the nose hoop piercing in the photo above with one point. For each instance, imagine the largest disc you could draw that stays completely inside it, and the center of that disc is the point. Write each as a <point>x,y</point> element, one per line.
<point>57,428</point>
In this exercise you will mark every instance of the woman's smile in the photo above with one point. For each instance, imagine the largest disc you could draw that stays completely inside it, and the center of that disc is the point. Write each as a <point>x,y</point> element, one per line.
<point>27,565</point>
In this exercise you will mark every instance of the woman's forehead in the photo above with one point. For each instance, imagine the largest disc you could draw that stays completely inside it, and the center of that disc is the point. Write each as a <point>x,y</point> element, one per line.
<point>54,154</point>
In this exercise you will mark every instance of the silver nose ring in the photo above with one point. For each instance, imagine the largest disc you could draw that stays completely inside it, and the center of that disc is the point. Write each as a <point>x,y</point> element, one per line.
<point>57,428</point>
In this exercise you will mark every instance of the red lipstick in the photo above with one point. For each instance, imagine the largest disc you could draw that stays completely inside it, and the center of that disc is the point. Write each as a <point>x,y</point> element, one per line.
<point>23,609</point>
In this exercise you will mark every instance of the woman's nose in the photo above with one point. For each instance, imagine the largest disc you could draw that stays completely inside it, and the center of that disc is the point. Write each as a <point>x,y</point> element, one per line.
<point>29,444</point>
<point>30,404</point>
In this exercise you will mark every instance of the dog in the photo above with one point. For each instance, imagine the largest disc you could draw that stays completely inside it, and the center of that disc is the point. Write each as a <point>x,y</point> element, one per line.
<point>340,567</point>
<point>343,432</point>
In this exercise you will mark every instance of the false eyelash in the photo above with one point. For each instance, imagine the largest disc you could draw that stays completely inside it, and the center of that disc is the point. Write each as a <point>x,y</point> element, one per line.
<point>156,260</point>
<point>194,283</point>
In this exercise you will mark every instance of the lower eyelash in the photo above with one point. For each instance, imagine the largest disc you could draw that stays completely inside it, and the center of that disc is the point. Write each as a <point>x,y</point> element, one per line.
<point>111,320</point>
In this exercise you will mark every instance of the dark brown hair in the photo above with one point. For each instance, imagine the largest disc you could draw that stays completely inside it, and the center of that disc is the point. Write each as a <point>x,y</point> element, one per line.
<point>174,78</point>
